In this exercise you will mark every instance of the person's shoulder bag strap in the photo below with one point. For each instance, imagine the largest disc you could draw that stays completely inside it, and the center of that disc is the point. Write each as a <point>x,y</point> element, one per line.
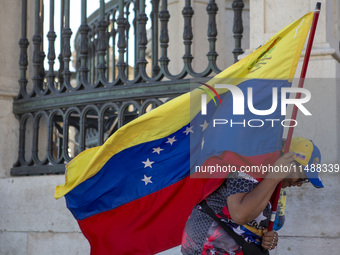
<point>205,207</point>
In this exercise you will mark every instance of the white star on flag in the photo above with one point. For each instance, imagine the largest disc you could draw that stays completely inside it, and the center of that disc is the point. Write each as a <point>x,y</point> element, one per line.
<point>204,125</point>
<point>238,230</point>
<point>202,144</point>
<point>171,140</point>
<point>157,150</point>
<point>148,163</point>
<point>188,130</point>
<point>147,180</point>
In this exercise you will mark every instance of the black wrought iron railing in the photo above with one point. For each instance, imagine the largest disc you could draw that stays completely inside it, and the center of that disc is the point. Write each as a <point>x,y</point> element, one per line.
<point>63,112</point>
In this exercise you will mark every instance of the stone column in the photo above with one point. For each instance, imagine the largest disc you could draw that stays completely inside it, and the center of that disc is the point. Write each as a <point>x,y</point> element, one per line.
<point>10,27</point>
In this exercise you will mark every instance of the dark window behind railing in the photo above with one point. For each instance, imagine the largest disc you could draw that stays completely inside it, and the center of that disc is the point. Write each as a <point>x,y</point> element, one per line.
<point>63,112</point>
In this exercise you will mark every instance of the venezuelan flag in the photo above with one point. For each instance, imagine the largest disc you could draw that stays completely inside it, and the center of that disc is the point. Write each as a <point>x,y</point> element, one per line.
<point>133,194</point>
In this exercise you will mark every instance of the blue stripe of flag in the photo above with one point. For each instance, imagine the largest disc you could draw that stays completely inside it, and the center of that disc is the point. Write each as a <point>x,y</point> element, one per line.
<point>120,181</point>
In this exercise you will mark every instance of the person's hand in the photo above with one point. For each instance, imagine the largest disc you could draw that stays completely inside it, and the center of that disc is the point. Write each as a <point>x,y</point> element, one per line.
<point>283,167</point>
<point>269,239</point>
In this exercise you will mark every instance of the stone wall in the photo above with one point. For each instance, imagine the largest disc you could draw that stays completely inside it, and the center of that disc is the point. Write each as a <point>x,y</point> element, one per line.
<point>32,222</point>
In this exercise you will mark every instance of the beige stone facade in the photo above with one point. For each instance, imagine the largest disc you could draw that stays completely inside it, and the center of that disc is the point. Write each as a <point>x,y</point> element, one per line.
<point>32,222</point>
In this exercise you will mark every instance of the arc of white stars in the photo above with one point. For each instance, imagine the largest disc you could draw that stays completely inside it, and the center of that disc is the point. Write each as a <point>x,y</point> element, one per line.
<point>146,180</point>
<point>171,140</point>
<point>148,163</point>
<point>157,150</point>
<point>204,125</point>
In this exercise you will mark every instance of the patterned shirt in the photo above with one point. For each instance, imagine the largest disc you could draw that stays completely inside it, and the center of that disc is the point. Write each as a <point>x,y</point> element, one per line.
<point>202,235</point>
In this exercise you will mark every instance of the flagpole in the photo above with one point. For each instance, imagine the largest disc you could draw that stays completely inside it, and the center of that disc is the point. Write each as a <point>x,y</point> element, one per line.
<point>294,113</point>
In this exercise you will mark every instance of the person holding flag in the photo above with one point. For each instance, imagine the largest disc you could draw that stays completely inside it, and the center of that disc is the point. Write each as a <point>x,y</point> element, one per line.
<point>134,194</point>
<point>236,217</point>
<point>243,205</point>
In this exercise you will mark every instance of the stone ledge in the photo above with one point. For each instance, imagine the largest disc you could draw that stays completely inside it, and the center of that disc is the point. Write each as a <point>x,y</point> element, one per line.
<point>6,93</point>
<point>9,86</point>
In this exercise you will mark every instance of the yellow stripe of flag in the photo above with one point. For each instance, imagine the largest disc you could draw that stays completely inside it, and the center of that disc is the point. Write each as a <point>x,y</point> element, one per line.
<point>277,59</point>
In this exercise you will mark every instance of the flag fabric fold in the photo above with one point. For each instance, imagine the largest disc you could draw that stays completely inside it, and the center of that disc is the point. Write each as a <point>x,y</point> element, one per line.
<point>133,194</point>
